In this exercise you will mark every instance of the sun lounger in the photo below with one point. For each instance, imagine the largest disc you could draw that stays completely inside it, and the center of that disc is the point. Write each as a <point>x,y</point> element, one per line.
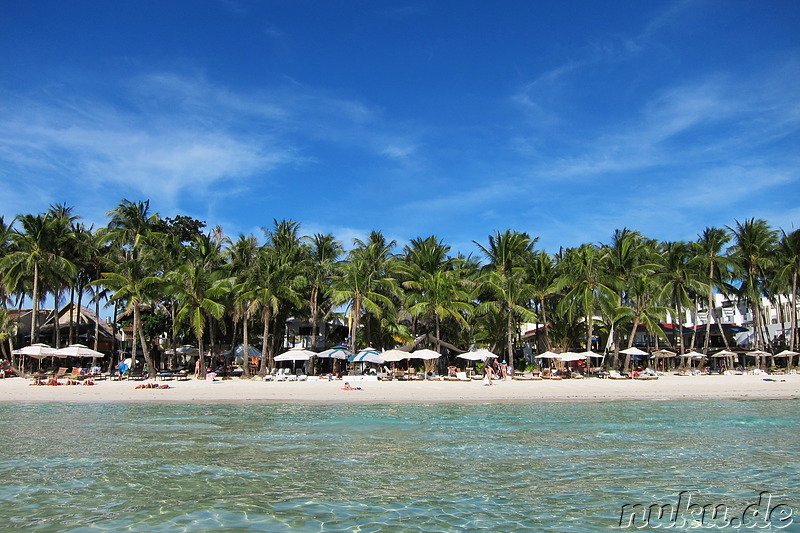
<point>613,374</point>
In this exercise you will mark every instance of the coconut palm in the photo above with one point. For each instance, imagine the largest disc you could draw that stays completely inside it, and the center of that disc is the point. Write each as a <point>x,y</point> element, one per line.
<point>324,253</point>
<point>367,283</point>
<point>505,279</point>
<point>753,254</point>
<point>788,268</point>
<point>38,257</point>
<point>679,281</point>
<point>199,292</point>
<point>542,275</point>
<point>709,253</point>
<point>133,286</point>
<point>589,288</point>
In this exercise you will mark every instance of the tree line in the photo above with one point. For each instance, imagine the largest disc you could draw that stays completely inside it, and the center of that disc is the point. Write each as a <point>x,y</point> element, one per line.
<point>212,288</point>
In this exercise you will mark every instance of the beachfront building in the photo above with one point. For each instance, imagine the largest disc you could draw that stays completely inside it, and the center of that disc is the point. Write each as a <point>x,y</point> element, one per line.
<point>730,325</point>
<point>737,317</point>
<point>67,325</point>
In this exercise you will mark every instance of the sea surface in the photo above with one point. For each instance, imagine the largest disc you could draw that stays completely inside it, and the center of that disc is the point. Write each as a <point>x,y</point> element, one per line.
<point>363,468</point>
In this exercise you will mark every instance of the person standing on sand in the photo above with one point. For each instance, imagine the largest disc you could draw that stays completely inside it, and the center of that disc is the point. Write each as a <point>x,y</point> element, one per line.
<point>489,374</point>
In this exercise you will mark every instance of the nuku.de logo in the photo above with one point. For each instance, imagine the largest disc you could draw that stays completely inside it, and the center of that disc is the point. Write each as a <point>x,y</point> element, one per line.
<point>684,514</point>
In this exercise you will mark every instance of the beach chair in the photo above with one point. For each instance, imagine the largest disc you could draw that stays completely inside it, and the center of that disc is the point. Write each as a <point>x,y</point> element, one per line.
<point>613,374</point>
<point>279,375</point>
<point>61,373</point>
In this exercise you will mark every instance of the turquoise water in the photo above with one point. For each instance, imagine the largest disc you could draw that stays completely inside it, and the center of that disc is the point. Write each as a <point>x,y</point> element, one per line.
<point>280,467</point>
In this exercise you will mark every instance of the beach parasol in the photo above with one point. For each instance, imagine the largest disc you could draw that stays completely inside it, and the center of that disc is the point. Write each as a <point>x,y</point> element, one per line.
<point>662,354</point>
<point>367,355</point>
<point>789,354</point>
<point>186,349</point>
<point>425,354</point>
<point>337,352</point>
<point>295,354</point>
<point>78,350</point>
<point>37,351</point>
<point>548,355</point>
<point>478,355</point>
<point>633,351</point>
<point>758,354</point>
<point>392,356</point>
<point>568,357</point>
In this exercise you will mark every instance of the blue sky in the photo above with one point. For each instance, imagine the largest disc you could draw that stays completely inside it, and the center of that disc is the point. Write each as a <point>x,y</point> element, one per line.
<point>566,120</point>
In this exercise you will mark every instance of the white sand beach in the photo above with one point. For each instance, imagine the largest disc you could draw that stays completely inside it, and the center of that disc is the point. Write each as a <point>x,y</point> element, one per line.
<point>235,390</point>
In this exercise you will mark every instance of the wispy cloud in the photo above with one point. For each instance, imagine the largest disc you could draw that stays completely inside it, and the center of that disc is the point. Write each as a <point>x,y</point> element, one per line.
<point>169,135</point>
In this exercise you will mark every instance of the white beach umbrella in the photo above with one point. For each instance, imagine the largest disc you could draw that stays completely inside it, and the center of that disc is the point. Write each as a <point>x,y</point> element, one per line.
<point>78,350</point>
<point>392,356</point>
<point>295,354</point>
<point>478,355</point>
<point>252,351</point>
<point>425,354</point>
<point>633,351</point>
<point>662,354</point>
<point>186,349</point>
<point>787,353</point>
<point>726,353</point>
<point>568,357</point>
<point>758,354</point>
<point>548,355</point>
<point>37,351</point>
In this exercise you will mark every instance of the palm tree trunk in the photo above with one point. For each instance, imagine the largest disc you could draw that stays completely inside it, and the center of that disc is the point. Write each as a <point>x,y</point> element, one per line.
<point>246,340</point>
<point>680,327</point>
<point>265,350</point>
<point>201,357</point>
<point>509,335</point>
<point>793,335</point>
<point>314,313</point>
<point>135,334</point>
<point>630,340</point>
<point>35,294</point>
<point>148,358</point>
<point>96,318</point>
<point>71,314</point>
<point>544,325</point>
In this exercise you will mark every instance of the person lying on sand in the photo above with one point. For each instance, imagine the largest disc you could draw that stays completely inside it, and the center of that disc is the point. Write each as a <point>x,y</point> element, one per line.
<point>348,387</point>
<point>152,386</point>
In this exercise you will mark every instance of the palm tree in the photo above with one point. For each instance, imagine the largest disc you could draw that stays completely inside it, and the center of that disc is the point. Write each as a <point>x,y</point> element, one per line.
<point>752,254</point>
<point>38,256</point>
<point>679,281</point>
<point>276,279</point>
<point>787,272</point>
<point>132,285</point>
<point>323,255</point>
<point>199,293</point>
<point>367,283</point>
<point>709,253</point>
<point>505,278</point>
<point>242,255</point>
<point>589,287</point>
<point>441,295</point>
<point>130,222</point>
<point>541,271</point>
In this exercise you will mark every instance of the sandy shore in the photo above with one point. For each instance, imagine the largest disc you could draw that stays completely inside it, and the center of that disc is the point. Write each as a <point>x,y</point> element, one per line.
<point>235,390</point>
